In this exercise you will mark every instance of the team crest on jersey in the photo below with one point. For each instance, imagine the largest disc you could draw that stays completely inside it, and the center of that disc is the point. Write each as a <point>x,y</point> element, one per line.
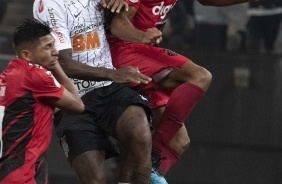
<point>169,52</point>
<point>133,1</point>
<point>41,6</point>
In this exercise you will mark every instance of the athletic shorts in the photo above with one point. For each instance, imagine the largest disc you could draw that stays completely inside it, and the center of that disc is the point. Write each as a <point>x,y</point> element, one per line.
<point>149,60</point>
<point>96,126</point>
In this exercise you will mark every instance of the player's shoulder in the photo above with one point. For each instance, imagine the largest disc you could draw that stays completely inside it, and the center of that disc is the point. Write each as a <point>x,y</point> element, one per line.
<point>43,3</point>
<point>30,72</point>
<point>38,73</point>
<point>41,6</point>
<point>42,9</point>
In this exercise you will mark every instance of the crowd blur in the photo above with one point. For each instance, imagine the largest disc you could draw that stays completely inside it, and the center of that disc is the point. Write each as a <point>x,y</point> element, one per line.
<point>3,10</point>
<point>249,27</point>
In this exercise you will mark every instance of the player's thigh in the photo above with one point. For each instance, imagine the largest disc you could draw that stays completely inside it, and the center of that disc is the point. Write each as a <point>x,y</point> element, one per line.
<point>148,59</point>
<point>81,133</point>
<point>133,127</point>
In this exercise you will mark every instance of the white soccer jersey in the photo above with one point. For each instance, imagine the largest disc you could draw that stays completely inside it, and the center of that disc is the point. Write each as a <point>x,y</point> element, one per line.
<point>78,24</point>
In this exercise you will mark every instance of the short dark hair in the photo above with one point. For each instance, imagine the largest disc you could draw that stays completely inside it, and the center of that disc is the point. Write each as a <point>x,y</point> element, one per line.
<point>30,30</point>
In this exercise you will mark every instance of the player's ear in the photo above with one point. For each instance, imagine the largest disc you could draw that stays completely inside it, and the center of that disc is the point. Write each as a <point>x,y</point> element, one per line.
<point>26,54</point>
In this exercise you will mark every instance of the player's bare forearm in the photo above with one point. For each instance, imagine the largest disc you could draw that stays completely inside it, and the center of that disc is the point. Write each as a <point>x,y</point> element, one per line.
<point>222,2</point>
<point>71,100</point>
<point>75,69</point>
<point>130,74</point>
<point>63,79</point>
<point>123,29</point>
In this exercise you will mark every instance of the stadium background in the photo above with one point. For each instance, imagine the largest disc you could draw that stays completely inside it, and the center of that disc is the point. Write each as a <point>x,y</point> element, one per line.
<point>235,130</point>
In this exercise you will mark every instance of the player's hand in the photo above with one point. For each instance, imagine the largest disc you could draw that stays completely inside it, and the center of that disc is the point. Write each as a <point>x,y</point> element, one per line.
<point>152,36</point>
<point>129,74</point>
<point>114,5</point>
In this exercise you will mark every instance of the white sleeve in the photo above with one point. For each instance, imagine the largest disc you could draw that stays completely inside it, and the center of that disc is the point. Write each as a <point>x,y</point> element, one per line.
<point>54,14</point>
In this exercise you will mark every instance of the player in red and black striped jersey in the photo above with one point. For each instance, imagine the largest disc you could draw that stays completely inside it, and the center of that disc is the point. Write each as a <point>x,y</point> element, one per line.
<point>30,88</point>
<point>178,83</point>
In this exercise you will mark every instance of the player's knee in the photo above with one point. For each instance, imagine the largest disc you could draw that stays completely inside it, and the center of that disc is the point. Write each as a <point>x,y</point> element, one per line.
<point>138,131</point>
<point>142,137</point>
<point>183,143</point>
<point>204,77</point>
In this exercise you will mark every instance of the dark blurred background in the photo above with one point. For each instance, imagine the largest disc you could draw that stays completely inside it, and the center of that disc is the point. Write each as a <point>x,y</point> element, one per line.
<point>236,129</point>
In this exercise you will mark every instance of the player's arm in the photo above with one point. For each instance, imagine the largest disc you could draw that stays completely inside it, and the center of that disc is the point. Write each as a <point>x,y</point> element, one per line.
<point>222,2</point>
<point>75,69</point>
<point>114,5</point>
<point>70,100</point>
<point>122,28</point>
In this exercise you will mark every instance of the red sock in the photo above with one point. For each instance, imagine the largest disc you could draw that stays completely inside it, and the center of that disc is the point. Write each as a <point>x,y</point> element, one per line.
<point>180,104</point>
<point>171,157</point>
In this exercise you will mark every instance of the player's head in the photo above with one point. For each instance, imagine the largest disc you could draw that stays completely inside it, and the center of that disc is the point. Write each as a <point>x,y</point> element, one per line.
<point>33,42</point>
<point>27,34</point>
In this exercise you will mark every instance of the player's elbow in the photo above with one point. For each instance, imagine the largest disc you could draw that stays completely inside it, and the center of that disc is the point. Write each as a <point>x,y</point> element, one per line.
<point>70,103</point>
<point>80,108</point>
<point>76,108</point>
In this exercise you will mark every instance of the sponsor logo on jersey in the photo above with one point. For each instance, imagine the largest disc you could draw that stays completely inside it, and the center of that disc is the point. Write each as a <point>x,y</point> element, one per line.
<point>77,14</point>
<point>53,22</point>
<point>169,52</point>
<point>41,6</point>
<point>82,28</point>
<point>162,10</point>
<point>84,86</point>
<point>86,42</point>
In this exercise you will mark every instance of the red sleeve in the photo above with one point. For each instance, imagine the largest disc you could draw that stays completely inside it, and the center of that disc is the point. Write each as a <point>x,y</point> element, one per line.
<point>44,85</point>
<point>134,3</point>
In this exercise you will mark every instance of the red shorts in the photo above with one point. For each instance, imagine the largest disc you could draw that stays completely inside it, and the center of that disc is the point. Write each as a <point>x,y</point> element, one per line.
<point>149,60</point>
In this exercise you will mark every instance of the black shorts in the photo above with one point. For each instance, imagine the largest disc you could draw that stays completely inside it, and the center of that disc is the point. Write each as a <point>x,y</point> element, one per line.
<point>93,129</point>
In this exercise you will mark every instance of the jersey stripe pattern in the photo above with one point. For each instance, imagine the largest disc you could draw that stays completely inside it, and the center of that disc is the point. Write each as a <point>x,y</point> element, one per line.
<point>25,90</point>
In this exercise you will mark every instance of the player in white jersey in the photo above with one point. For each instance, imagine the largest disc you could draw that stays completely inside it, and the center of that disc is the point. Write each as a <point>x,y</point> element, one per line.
<point>111,109</point>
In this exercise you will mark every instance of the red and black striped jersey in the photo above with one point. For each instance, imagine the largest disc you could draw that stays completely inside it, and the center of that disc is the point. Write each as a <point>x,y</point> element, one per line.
<point>25,90</point>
